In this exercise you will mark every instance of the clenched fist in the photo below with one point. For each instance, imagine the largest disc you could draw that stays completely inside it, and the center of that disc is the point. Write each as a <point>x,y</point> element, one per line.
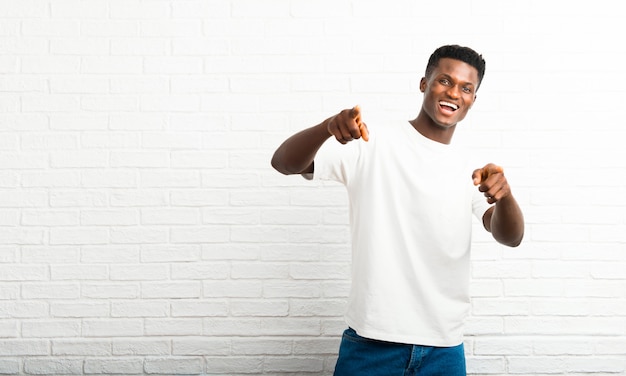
<point>492,182</point>
<point>347,126</point>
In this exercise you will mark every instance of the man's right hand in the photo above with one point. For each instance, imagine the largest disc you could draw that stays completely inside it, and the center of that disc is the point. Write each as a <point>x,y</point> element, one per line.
<point>347,126</point>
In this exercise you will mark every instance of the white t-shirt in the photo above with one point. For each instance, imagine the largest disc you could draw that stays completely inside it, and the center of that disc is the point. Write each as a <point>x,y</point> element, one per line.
<point>411,204</point>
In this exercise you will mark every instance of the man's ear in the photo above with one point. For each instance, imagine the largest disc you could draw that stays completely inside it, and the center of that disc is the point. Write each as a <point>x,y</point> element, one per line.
<point>474,101</point>
<point>423,84</point>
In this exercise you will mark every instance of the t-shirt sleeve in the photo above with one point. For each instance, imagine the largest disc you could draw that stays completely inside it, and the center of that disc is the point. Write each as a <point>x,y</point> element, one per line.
<point>479,204</point>
<point>335,161</point>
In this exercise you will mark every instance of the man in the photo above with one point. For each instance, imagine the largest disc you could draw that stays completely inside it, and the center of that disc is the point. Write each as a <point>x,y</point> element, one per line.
<point>412,196</point>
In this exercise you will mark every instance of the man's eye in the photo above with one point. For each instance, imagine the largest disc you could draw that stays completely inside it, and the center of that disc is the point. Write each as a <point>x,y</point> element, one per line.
<point>467,90</point>
<point>444,81</point>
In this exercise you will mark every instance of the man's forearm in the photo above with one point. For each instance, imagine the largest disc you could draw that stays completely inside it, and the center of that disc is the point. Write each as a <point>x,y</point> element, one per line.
<point>507,222</point>
<point>296,154</point>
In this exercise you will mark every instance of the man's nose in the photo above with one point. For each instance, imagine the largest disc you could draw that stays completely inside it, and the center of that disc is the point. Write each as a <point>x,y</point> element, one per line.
<point>453,91</point>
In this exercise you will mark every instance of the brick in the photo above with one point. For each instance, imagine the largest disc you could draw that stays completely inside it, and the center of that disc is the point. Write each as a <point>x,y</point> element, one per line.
<point>199,308</point>
<point>261,346</point>
<point>114,366</point>
<point>293,364</point>
<point>8,254</point>
<point>174,366</point>
<point>109,254</point>
<point>111,65</point>
<point>84,85</point>
<point>195,198</point>
<point>110,290</point>
<point>172,216</point>
<point>21,236</point>
<point>259,270</point>
<point>259,308</point>
<point>292,289</point>
<point>594,364</point>
<point>76,159</point>
<point>200,271</point>
<point>113,327</point>
<point>55,65</point>
<point>138,47</point>
<point>51,290</point>
<point>55,366</point>
<point>234,364</point>
<point>166,253</point>
<point>24,347</point>
<point>23,273</point>
<point>317,308</point>
<point>317,271</point>
<point>52,179</point>
<point>240,327</point>
<point>109,103</point>
<point>230,251</point>
<point>328,346</point>
<point>140,309</point>
<point>140,346</point>
<point>50,329</point>
<point>199,84</point>
<point>563,346</point>
<point>139,272</point>
<point>138,198</point>
<point>506,346</point>
<point>172,290</point>
<point>78,9</point>
<point>136,121</point>
<point>170,103</point>
<point>69,236</point>
<point>191,159</point>
<point>232,289</point>
<point>78,122</point>
<point>9,366</point>
<point>291,252</point>
<point>500,307</point>
<point>201,346</point>
<point>173,65</point>
<point>49,142</point>
<point>291,326</point>
<point>108,217</point>
<point>50,254</point>
<point>172,179</point>
<point>78,347</point>
<point>173,327</point>
<point>232,216</point>
<point>170,28</point>
<point>80,309</point>
<point>487,365</point>
<point>134,9</point>
<point>138,235</point>
<point>22,160</point>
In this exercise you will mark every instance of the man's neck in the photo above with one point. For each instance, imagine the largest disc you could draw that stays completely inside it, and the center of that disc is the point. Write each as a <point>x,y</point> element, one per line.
<point>427,128</point>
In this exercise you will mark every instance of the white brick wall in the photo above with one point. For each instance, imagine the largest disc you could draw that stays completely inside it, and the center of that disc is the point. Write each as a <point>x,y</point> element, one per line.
<point>142,230</point>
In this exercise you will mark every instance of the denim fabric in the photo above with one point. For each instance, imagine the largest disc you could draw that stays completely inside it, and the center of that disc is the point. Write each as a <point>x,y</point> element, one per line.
<point>360,356</point>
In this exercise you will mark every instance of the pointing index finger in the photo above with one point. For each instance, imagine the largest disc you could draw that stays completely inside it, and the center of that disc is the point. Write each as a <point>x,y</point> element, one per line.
<point>482,174</point>
<point>356,115</point>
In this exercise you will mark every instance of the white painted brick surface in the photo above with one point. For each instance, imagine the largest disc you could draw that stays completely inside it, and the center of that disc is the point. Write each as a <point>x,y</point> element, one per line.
<point>143,231</point>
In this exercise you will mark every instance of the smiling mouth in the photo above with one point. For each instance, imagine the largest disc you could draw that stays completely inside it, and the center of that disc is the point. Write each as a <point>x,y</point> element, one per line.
<point>449,106</point>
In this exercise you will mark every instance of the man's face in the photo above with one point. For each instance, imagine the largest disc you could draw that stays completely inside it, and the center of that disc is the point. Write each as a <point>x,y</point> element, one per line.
<point>449,91</point>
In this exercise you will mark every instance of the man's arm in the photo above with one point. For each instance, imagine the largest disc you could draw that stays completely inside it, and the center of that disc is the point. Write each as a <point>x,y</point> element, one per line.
<point>505,220</point>
<point>296,154</point>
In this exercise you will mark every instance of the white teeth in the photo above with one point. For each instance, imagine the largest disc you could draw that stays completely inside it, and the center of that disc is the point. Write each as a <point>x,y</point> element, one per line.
<point>442,103</point>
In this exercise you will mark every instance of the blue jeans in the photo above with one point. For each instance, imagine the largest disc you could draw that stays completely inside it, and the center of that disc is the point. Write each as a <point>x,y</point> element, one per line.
<point>360,356</point>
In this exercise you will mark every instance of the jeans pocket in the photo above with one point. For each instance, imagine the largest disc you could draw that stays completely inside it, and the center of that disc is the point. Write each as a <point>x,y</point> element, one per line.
<point>351,335</point>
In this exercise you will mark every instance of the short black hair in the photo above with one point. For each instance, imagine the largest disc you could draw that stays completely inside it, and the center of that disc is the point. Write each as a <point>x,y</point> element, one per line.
<point>464,54</point>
